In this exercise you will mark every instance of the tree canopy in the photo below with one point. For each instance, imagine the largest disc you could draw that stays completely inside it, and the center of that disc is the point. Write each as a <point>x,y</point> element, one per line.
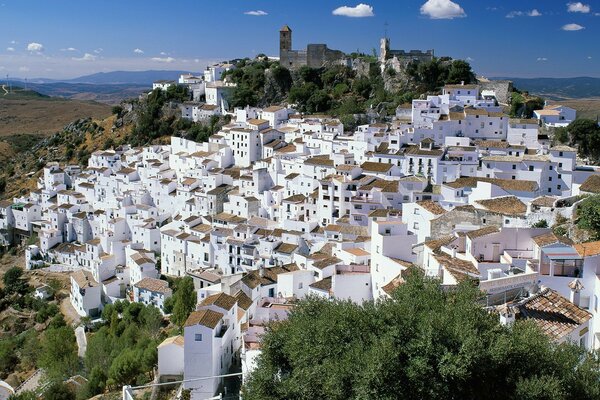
<point>585,134</point>
<point>588,215</point>
<point>424,343</point>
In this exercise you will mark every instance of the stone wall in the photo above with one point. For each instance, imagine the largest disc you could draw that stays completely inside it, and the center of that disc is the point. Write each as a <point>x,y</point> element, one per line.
<point>503,89</point>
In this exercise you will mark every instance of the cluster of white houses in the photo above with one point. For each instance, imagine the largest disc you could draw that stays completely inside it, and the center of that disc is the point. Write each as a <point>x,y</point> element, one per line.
<point>277,206</point>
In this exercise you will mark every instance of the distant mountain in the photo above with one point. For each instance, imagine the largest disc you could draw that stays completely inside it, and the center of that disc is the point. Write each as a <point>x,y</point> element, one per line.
<point>119,77</point>
<point>559,88</point>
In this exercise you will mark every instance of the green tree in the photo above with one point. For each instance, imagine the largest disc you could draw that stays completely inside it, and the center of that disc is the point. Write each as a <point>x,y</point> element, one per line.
<point>125,368</point>
<point>96,381</point>
<point>585,133</point>
<point>588,215</point>
<point>561,135</point>
<point>540,224</point>
<point>26,395</point>
<point>185,301</point>
<point>14,282</point>
<point>58,391</point>
<point>460,71</point>
<point>423,343</point>
<point>58,357</point>
<point>117,110</point>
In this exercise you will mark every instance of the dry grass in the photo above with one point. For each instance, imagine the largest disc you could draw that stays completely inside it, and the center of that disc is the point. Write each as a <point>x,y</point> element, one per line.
<point>586,108</point>
<point>44,115</point>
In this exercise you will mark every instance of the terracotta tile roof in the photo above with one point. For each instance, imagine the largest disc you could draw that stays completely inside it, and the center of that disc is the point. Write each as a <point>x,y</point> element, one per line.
<point>432,207</point>
<point>221,300</point>
<point>415,150</point>
<point>591,184</point>
<point>588,249</point>
<point>508,205</point>
<point>555,315</point>
<point>459,269</point>
<point>488,230</point>
<point>550,238</point>
<point>206,317</point>
<point>506,184</point>
<point>544,201</point>
<point>244,302</point>
<point>154,285</point>
<point>375,166</point>
<point>435,244</point>
<point>393,284</point>
<point>326,262</point>
<point>177,340</point>
<point>324,284</point>
<point>319,160</point>
<point>84,279</point>
<point>286,248</point>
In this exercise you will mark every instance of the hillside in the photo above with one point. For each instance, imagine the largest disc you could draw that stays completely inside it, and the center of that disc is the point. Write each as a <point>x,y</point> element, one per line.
<point>560,88</point>
<point>30,112</point>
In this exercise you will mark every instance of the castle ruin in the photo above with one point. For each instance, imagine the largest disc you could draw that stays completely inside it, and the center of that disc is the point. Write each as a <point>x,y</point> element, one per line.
<point>315,55</point>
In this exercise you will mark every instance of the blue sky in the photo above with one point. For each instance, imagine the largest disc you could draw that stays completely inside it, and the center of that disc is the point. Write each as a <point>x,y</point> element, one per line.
<point>69,38</point>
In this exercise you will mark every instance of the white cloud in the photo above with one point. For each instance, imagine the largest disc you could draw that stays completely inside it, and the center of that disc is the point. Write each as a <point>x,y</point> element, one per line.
<point>469,59</point>
<point>163,59</point>
<point>542,59</point>
<point>10,49</point>
<point>35,47</point>
<point>138,51</point>
<point>196,60</point>
<point>24,69</point>
<point>69,49</point>
<point>99,50</point>
<point>532,13</point>
<point>572,27</point>
<point>578,7</point>
<point>257,13</point>
<point>13,42</point>
<point>359,11</point>
<point>589,57</point>
<point>162,53</point>
<point>442,9</point>
<point>86,57</point>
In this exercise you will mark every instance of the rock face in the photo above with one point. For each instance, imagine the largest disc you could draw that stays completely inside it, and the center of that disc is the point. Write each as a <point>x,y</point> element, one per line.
<point>395,76</point>
<point>275,90</point>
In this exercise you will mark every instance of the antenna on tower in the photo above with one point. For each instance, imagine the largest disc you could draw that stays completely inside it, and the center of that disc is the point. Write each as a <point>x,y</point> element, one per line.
<point>385,29</point>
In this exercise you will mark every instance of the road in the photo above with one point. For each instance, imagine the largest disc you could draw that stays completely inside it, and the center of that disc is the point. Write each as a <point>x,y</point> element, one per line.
<point>5,90</point>
<point>81,341</point>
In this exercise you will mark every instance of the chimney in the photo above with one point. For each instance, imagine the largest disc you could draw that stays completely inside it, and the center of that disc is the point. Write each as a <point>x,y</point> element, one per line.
<point>576,287</point>
<point>507,315</point>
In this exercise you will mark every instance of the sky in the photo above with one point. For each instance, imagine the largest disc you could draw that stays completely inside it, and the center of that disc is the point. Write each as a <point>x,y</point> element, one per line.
<point>69,38</point>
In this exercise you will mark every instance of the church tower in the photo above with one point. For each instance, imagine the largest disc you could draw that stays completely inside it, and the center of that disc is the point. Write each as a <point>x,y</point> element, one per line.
<point>285,43</point>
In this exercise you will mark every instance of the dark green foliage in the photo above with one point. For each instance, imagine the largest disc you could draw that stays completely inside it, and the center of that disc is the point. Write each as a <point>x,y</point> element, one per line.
<point>585,134</point>
<point>588,215</point>
<point>523,105</point>
<point>460,71</point>
<point>26,395</point>
<point>540,224</point>
<point>58,391</point>
<point>150,123</point>
<point>561,135</point>
<point>184,300</point>
<point>124,349</point>
<point>117,110</point>
<point>424,343</point>
<point>14,282</point>
<point>59,353</point>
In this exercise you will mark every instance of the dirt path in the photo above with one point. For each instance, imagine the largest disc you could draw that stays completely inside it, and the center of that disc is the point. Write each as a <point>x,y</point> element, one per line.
<point>5,91</point>
<point>71,316</point>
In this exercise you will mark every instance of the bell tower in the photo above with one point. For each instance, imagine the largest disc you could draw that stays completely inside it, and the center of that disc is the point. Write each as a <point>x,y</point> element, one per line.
<point>285,43</point>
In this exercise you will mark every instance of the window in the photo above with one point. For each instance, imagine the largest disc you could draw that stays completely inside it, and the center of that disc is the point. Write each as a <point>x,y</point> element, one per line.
<point>198,337</point>
<point>514,166</point>
<point>416,225</point>
<point>416,212</point>
<point>531,167</point>
<point>560,153</point>
<point>300,285</point>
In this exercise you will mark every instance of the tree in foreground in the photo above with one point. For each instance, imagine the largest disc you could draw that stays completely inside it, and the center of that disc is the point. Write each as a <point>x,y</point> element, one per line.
<point>424,343</point>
